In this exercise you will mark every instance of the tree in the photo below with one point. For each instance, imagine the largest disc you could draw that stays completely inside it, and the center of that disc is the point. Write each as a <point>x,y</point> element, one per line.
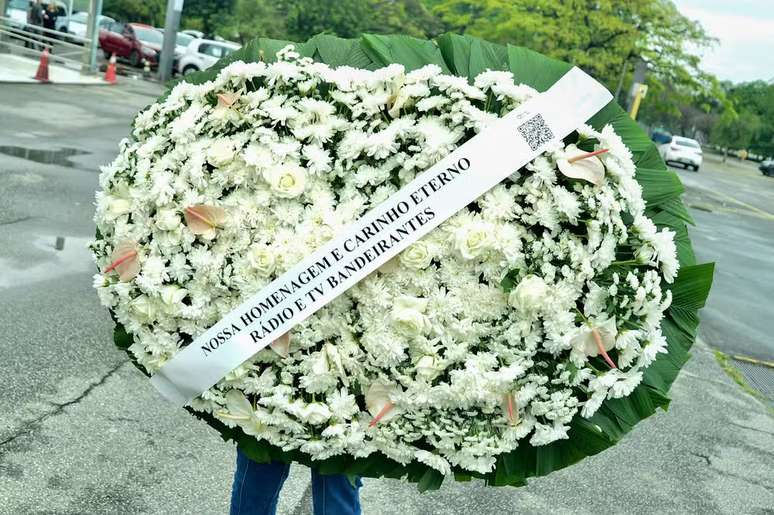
<point>735,130</point>
<point>754,103</point>
<point>149,11</point>
<point>350,18</point>
<point>206,15</point>
<point>250,19</point>
<point>604,37</point>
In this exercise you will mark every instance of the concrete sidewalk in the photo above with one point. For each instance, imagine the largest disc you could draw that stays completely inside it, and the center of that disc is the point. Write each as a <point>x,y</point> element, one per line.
<point>20,69</point>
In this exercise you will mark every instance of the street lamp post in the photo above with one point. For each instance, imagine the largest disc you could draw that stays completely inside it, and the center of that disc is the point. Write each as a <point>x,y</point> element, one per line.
<point>92,32</point>
<point>171,24</point>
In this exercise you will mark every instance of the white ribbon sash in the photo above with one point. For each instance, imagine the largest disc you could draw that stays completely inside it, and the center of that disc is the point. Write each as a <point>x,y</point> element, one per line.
<point>432,197</point>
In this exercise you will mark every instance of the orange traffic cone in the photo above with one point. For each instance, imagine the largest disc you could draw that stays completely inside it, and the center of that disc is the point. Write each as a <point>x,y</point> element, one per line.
<point>110,73</point>
<point>42,74</point>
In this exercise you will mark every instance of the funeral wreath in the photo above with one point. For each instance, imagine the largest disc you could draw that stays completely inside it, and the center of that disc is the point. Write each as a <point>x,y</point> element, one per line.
<point>534,327</point>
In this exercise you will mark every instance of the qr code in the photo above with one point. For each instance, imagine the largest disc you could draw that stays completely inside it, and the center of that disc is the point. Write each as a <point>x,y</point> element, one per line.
<point>536,132</point>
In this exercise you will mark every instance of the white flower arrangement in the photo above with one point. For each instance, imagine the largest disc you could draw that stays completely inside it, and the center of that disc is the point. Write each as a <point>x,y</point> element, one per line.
<point>531,306</point>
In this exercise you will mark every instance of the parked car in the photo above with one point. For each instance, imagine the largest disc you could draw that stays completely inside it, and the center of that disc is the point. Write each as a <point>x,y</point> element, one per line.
<point>203,53</point>
<point>767,167</point>
<point>660,136</point>
<point>132,41</point>
<point>685,151</point>
<point>182,40</point>
<point>16,10</point>
<point>197,34</point>
<point>79,23</point>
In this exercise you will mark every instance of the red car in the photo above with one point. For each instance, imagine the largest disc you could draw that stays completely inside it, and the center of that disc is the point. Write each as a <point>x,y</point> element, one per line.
<point>132,41</point>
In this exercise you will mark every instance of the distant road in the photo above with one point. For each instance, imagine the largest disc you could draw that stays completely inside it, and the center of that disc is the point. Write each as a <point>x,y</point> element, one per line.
<point>733,205</point>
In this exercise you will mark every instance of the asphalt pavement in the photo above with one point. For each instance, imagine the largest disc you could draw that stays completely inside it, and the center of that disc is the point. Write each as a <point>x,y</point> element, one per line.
<point>82,431</point>
<point>733,206</point>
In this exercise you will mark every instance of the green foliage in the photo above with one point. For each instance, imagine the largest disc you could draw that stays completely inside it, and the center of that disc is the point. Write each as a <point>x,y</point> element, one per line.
<point>208,15</point>
<point>350,18</point>
<point>755,103</point>
<point>601,36</point>
<point>747,122</point>
<point>249,19</point>
<point>151,12</point>
<point>604,37</point>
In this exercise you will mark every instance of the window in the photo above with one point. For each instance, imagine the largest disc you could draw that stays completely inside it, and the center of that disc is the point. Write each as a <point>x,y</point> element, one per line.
<point>116,27</point>
<point>687,143</point>
<point>184,39</point>
<point>149,35</point>
<point>79,17</point>
<point>216,51</point>
<point>208,49</point>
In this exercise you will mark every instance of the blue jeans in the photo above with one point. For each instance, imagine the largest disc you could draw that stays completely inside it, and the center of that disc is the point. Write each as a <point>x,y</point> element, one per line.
<point>257,486</point>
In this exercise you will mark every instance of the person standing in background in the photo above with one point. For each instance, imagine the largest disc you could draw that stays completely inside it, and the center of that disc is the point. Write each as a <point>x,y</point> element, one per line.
<point>50,14</point>
<point>34,19</point>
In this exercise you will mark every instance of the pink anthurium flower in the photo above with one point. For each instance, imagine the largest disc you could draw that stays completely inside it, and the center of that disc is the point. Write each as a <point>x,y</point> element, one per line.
<point>281,345</point>
<point>379,404</point>
<point>204,220</point>
<point>226,100</point>
<point>577,164</point>
<point>510,408</point>
<point>124,261</point>
<point>597,340</point>
<point>601,347</point>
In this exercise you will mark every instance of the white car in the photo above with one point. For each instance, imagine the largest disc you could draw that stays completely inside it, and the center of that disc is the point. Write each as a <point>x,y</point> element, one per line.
<point>79,23</point>
<point>203,53</point>
<point>182,40</point>
<point>685,151</point>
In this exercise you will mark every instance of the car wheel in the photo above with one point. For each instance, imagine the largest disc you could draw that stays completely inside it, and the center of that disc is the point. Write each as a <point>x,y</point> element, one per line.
<point>190,69</point>
<point>695,168</point>
<point>134,58</point>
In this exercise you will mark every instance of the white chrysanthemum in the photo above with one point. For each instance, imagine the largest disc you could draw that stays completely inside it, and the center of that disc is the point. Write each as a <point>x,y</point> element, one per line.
<point>427,359</point>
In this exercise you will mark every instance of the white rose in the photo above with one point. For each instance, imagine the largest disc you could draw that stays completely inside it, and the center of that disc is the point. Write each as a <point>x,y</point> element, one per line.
<point>645,254</point>
<point>316,413</point>
<point>221,151</point>
<point>529,295</point>
<point>172,295</point>
<point>416,256</point>
<point>261,258</point>
<point>320,365</point>
<point>333,358</point>
<point>286,181</point>
<point>144,308</point>
<point>117,206</point>
<point>473,240</point>
<point>167,219</point>
<point>409,317</point>
<point>427,367</point>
